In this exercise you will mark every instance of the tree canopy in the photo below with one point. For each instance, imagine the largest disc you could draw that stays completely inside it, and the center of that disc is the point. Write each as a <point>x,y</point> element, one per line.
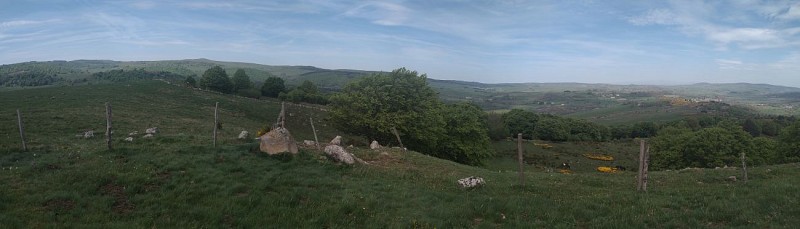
<point>372,106</point>
<point>216,79</point>
<point>272,87</point>
<point>241,81</point>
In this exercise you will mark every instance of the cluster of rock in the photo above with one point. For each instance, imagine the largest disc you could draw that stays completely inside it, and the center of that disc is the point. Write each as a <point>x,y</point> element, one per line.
<point>471,182</point>
<point>148,133</point>
<point>336,152</point>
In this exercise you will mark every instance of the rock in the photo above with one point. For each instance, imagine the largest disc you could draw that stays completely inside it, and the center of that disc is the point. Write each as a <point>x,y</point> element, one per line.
<point>339,154</point>
<point>88,134</point>
<point>337,140</point>
<point>277,141</point>
<point>133,133</point>
<point>732,178</point>
<point>244,134</point>
<point>148,136</point>
<point>374,145</point>
<point>151,130</point>
<point>309,143</point>
<point>471,182</point>
<point>129,139</point>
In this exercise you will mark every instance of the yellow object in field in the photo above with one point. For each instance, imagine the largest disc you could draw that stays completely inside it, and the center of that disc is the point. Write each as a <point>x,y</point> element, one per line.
<point>606,169</point>
<point>565,171</point>
<point>543,145</point>
<point>598,157</point>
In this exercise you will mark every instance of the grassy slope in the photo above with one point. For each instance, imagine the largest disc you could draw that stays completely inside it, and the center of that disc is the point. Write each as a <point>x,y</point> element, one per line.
<point>178,180</point>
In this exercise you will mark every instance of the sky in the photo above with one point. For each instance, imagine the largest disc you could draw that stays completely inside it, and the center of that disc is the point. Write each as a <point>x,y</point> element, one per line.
<point>491,41</point>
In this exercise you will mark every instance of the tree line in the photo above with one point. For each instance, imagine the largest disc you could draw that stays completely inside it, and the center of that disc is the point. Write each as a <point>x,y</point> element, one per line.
<point>216,79</point>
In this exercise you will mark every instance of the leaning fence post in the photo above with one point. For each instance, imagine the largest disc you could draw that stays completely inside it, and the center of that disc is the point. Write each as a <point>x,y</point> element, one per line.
<point>316,141</point>
<point>519,157</point>
<point>21,131</point>
<point>744,167</point>
<point>108,125</point>
<point>397,135</point>
<point>216,123</point>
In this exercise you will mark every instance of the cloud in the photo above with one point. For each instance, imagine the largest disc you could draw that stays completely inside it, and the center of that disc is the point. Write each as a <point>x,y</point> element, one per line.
<point>790,14</point>
<point>22,23</point>
<point>381,13</point>
<point>655,17</point>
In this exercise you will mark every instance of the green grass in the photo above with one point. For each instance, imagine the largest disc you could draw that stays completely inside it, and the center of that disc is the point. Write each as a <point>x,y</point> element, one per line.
<point>178,180</point>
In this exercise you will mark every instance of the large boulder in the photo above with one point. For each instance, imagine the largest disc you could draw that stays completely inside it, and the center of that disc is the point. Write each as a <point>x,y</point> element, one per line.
<point>339,154</point>
<point>277,141</point>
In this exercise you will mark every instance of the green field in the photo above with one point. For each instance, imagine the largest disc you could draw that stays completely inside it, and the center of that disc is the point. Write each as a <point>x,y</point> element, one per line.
<point>177,179</point>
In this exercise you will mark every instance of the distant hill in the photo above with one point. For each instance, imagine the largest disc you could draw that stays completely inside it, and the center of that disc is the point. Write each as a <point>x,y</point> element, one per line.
<point>556,98</point>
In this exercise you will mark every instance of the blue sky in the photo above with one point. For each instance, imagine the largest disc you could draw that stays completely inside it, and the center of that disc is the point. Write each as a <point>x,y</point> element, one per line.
<point>621,42</point>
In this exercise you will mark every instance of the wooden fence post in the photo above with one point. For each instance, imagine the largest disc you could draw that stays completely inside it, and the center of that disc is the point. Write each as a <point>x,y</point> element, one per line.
<point>640,173</point>
<point>744,167</point>
<point>397,135</point>
<point>108,125</point>
<point>316,141</point>
<point>519,157</point>
<point>216,116</point>
<point>21,131</point>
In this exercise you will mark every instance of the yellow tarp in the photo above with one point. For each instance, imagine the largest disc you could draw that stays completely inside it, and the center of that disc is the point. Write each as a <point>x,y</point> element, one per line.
<point>598,157</point>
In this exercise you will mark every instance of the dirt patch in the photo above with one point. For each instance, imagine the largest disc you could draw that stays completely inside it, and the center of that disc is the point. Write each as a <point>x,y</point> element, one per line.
<point>122,205</point>
<point>59,205</point>
<point>385,159</point>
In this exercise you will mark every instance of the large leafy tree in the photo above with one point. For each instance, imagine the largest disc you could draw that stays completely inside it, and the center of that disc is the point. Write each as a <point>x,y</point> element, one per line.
<point>790,142</point>
<point>372,106</point>
<point>216,79</point>
<point>273,87</point>
<point>241,81</point>
<point>521,121</point>
<point>306,92</point>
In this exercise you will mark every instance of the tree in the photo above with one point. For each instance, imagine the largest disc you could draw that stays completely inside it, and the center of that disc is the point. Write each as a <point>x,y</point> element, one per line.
<point>272,87</point>
<point>374,105</point>
<point>790,143</point>
<point>306,92</point>
<point>552,128</point>
<point>216,79</point>
<point>241,81</point>
<point>190,81</point>
<point>521,121</point>
<point>752,127</point>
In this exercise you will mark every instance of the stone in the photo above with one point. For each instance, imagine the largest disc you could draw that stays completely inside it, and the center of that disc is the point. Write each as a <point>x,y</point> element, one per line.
<point>471,182</point>
<point>732,178</point>
<point>88,134</point>
<point>244,134</point>
<point>337,140</point>
<point>309,143</point>
<point>133,133</point>
<point>129,139</point>
<point>339,154</point>
<point>374,145</point>
<point>148,136</point>
<point>151,130</point>
<point>277,141</point>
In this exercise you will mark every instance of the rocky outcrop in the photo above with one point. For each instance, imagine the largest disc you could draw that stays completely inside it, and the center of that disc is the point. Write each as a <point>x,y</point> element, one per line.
<point>278,140</point>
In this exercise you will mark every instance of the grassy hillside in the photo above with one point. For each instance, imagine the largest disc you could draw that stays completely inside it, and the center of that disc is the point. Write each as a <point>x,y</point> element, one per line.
<point>178,180</point>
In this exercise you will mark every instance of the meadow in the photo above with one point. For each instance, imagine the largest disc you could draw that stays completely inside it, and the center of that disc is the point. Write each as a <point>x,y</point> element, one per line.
<point>178,179</point>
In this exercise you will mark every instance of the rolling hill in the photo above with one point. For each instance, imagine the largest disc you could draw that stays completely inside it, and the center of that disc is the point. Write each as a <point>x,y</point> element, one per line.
<point>177,179</point>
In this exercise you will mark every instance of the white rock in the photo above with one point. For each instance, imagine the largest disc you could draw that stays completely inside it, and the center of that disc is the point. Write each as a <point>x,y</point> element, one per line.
<point>148,136</point>
<point>339,154</point>
<point>88,134</point>
<point>133,133</point>
<point>374,145</point>
<point>244,134</point>
<point>471,182</point>
<point>129,139</point>
<point>153,130</point>
<point>309,143</point>
<point>337,140</point>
